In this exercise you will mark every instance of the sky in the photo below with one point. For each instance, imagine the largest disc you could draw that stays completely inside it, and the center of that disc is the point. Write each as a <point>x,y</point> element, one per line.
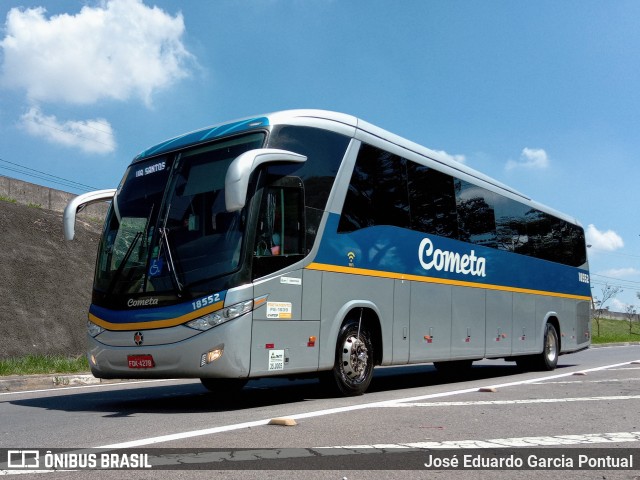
<point>543,96</point>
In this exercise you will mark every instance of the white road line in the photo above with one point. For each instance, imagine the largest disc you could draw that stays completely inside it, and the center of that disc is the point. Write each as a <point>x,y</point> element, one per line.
<point>331,411</point>
<point>550,441</point>
<point>513,402</point>
<point>608,380</point>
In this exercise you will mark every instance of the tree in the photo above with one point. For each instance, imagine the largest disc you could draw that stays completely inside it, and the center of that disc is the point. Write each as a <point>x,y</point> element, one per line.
<point>608,292</point>
<point>631,314</point>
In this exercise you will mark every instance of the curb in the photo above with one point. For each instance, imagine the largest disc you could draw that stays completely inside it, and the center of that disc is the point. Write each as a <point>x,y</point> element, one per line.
<point>15,383</point>
<point>620,344</point>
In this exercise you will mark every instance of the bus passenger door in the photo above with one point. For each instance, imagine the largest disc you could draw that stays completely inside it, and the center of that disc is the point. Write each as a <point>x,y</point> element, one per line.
<point>281,341</point>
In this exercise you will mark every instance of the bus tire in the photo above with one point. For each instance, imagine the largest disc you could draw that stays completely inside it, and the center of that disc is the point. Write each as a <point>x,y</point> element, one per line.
<point>548,359</point>
<point>224,385</point>
<point>353,368</point>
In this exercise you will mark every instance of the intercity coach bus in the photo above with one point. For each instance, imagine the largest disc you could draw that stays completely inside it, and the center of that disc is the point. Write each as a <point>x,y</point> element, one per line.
<point>309,241</point>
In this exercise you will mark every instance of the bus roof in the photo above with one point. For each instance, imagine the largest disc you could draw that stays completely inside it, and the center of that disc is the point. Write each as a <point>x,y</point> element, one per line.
<point>322,118</point>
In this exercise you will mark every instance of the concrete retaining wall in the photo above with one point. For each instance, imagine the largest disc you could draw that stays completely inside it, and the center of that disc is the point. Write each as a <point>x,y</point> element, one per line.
<point>44,197</point>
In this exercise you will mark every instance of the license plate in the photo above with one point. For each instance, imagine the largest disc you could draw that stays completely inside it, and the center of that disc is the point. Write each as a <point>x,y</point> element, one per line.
<point>140,361</point>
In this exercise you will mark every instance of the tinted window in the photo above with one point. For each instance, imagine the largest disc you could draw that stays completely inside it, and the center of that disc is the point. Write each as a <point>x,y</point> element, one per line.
<point>432,199</point>
<point>377,192</point>
<point>476,218</point>
<point>511,226</point>
<point>555,240</point>
<point>386,189</point>
<point>324,151</point>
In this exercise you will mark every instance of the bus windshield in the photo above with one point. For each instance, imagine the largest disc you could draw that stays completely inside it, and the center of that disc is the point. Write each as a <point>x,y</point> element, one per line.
<point>168,228</point>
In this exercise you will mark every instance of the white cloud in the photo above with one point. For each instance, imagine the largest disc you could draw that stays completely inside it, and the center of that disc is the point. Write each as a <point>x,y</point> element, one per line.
<point>621,272</point>
<point>91,136</point>
<point>117,50</point>
<point>617,305</point>
<point>607,241</point>
<point>452,158</point>
<point>532,158</point>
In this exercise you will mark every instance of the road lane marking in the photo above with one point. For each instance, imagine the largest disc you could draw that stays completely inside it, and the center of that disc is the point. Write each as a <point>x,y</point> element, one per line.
<point>512,402</point>
<point>542,441</point>
<point>608,380</point>
<point>332,411</point>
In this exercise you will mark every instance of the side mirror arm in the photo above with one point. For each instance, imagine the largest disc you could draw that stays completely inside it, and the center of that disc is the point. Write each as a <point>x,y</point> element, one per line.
<point>77,204</point>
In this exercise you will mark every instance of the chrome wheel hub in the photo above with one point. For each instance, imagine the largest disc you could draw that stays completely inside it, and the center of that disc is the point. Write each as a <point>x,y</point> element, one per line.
<point>551,347</point>
<point>354,358</point>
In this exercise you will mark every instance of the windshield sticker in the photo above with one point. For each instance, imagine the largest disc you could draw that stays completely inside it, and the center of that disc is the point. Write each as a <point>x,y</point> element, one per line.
<point>276,360</point>
<point>279,310</point>
<point>158,167</point>
<point>155,268</point>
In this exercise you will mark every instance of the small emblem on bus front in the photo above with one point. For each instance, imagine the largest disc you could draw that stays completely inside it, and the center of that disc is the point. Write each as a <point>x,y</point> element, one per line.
<point>138,338</point>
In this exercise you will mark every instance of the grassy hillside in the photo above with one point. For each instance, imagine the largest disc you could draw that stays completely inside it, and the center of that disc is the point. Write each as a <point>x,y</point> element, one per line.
<point>45,282</point>
<point>613,331</point>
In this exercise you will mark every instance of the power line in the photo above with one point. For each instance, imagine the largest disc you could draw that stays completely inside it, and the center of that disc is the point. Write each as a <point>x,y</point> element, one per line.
<point>615,279</point>
<point>602,252</point>
<point>46,176</point>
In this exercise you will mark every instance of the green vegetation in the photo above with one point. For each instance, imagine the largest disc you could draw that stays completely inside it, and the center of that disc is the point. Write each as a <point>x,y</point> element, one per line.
<point>34,205</point>
<point>8,199</point>
<point>615,331</point>
<point>43,364</point>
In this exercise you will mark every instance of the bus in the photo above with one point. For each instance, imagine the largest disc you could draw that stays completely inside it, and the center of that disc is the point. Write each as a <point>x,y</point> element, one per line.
<point>311,242</point>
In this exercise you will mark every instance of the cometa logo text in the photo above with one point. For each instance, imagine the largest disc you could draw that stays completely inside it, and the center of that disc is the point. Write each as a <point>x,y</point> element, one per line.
<point>444,260</point>
<point>143,302</point>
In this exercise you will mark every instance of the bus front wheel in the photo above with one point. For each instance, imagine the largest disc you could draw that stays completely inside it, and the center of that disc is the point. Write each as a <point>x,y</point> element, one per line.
<point>353,368</point>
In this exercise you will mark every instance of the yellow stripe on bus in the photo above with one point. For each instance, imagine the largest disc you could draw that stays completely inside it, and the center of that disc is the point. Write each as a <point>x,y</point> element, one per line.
<point>443,281</point>
<point>170,322</point>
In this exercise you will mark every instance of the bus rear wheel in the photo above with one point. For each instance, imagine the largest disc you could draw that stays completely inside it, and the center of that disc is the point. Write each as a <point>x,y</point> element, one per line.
<point>548,359</point>
<point>353,368</point>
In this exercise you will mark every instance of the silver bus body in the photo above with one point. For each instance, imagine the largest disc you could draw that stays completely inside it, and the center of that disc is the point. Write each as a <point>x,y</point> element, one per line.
<point>418,296</point>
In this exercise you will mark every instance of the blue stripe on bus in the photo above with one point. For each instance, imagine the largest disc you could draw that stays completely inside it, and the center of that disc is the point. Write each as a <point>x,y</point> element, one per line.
<point>396,250</point>
<point>180,313</point>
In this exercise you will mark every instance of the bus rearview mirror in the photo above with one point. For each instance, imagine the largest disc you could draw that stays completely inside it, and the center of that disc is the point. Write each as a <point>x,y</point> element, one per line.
<point>236,182</point>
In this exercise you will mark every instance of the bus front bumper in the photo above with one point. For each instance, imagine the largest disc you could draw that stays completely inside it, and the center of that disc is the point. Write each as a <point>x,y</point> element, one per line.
<point>221,352</point>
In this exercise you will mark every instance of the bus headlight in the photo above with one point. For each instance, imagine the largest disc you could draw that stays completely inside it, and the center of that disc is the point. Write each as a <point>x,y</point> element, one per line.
<point>93,329</point>
<point>221,316</point>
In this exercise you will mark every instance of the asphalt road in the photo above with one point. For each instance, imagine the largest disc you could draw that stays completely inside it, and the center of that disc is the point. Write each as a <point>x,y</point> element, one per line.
<point>589,403</point>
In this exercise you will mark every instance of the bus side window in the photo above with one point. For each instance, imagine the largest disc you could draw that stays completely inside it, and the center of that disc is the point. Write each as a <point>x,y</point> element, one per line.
<point>279,239</point>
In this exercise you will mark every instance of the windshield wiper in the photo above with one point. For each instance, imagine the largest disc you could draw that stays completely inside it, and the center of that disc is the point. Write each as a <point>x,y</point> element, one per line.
<point>164,235</point>
<point>120,269</point>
